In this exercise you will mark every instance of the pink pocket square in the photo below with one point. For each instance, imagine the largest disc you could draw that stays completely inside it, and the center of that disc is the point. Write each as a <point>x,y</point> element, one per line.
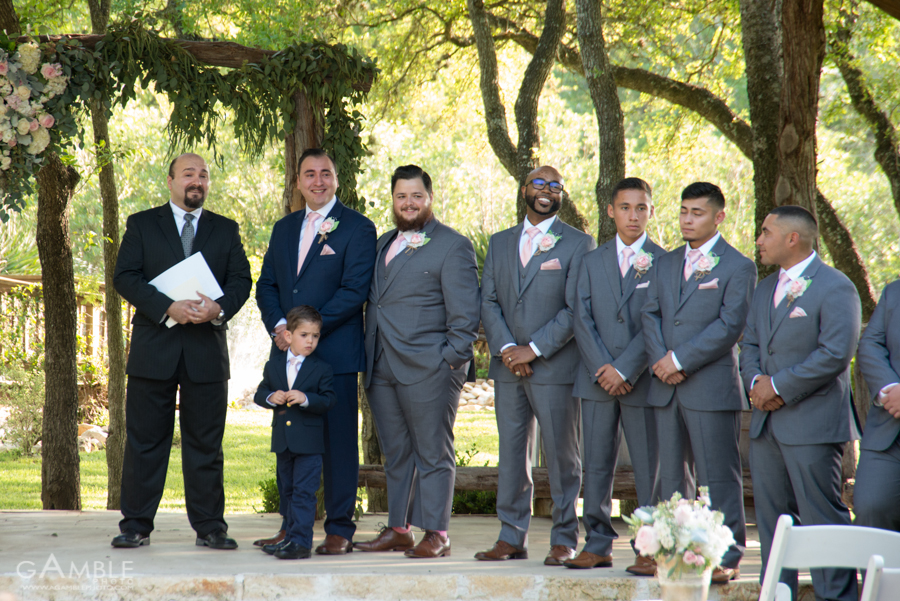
<point>711,285</point>
<point>327,250</point>
<point>644,285</point>
<point>797,312</point>
<point>553,264</point>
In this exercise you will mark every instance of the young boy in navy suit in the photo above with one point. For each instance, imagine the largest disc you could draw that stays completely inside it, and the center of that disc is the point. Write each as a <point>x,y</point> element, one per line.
<point>299,388</point>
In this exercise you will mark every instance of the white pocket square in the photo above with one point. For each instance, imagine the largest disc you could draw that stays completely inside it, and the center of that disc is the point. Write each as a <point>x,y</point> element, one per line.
<point>797,312</point>
<point>552,264</point>
<point>712,284</point>
<point>327,250</point>
<point>644,285</point>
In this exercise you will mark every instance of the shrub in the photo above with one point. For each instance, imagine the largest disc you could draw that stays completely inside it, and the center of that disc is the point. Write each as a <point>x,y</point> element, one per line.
<point>24,394</point>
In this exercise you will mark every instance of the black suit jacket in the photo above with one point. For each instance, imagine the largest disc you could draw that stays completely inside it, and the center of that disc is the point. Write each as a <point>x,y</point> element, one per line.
<point>151,245</point>
<point>295,428</point>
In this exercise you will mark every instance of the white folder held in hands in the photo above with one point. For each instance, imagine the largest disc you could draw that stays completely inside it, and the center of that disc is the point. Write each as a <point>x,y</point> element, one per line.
<point>183,280</point>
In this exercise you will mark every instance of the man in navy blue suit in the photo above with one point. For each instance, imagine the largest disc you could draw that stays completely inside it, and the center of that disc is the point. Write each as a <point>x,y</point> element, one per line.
<point>324,256</point>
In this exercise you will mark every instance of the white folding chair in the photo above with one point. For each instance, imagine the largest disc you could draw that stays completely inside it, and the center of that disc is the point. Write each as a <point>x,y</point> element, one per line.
<point>805,547</point>
<point>881,584</point>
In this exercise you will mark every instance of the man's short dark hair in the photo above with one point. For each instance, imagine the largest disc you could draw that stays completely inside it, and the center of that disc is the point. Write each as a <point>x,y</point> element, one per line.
<point>411,172</point>
<point>631,183</point>
<point>802,221</point>
<point>711,192</point>
<point>316,152</point>
<point>301,314</point>
<point>172,167</point>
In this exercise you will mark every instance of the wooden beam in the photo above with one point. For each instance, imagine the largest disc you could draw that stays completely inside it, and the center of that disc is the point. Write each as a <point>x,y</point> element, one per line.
<point>891,7</point>
<point>216,54</point>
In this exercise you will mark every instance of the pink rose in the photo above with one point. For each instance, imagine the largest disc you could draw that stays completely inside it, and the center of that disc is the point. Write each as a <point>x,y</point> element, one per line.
<point>46,120</point>
<point>33,125</point>
<point>646,542</point>
<point>642,262</point>
<point>326,226</point>
<point>4,67</point>
<point>12,142</point>
<point>692,559</point>
<point>49,71</point>
<point>704,264</point>
<point>796,287</point>
<point>416,239</point>
<point>547,240</point>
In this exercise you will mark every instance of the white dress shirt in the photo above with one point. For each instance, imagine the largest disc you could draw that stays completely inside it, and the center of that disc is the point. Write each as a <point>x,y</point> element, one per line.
<point>706,248</point>
<point>544,226</point>
<point>287,368</point>
<point>179,214</point>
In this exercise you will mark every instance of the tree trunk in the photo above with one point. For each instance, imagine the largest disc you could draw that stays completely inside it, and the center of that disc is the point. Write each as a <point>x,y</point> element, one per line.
<point>605,96</point>
<point>307,134</point>
<point>9,20</point>
<point>60,479</point>
<point>372,455</point>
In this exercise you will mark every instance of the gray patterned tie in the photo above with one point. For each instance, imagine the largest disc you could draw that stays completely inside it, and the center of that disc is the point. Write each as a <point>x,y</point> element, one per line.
<point>187,235</point>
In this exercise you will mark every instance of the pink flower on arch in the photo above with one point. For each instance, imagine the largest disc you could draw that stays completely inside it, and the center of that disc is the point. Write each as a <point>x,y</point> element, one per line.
<point>33,125</point>
<point>46,120</point>
<point>4,67</point>
<point>50,71</point>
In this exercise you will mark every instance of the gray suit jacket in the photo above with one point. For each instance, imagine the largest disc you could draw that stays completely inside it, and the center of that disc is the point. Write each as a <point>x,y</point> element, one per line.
<point>608,323</point>
<point>535,308</point>
<point>808,357</point>
<point>879,360</point>
<point>424,306</point>
<point>701,321</point>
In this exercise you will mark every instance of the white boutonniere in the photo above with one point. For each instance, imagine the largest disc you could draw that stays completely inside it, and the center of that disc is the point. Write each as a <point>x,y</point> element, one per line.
<point>704,265</point>
<point>547,242</point>
<point>326,227</point>
<point>642,263</point>
<point>796,289</point>
<point>417,240</point>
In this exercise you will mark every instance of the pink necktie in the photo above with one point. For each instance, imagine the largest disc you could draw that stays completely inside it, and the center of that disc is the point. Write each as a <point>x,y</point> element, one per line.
<point>308,237</point>
<point>624,264</point>
<point>781,288</point>
<point>527,250</point>
<point>693,256</point>
<point>293,368</point>
<point>394,249</point>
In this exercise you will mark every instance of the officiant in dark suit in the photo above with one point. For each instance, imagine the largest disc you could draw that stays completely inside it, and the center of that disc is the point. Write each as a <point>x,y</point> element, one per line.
<point>191,357</point>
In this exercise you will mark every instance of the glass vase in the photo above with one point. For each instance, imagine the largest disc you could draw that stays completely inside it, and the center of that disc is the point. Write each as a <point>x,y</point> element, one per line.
<point>685,583</point>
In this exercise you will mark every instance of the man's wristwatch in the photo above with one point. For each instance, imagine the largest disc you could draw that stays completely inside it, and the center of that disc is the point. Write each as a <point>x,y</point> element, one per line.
<point>220,318</point>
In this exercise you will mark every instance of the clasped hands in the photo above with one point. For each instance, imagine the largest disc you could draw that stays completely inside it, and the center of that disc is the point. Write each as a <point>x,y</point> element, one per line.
<point>891,401</point>
<point>518,358</point>
<point>194,311</point>
<point>610,380</point>
<point>665,370</point>
<point>763,395</point>
<point>291,397</point>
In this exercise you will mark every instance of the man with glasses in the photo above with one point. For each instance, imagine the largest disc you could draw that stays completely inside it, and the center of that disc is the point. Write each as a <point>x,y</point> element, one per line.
<point>528,293</point>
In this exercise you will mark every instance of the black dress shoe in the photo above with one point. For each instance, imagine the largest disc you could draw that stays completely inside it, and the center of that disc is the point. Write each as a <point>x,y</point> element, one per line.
<point>129,539</point>
<point>270,549</point>
<point>292,551</point>
<point>216,540</point>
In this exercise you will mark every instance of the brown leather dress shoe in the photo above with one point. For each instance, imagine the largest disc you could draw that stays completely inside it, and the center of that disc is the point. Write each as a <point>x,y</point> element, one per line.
<point>502,551</point>
<point>270,541</point>
<point>334,545</point>
<point>558,555</point>
<point>387,540</point>
<point>586,560</point>
<point>433,544</point>
<point>724,575</point>
<point>643,566</point>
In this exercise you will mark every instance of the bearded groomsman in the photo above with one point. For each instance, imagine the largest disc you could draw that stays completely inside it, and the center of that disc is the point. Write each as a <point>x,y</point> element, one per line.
<point>528,296</point>
<point>696,307</point>
<point>322,256</point>
<point>612,380</point>
<point>421,321</point>
<point>876,496</point>
<point>795,360</point>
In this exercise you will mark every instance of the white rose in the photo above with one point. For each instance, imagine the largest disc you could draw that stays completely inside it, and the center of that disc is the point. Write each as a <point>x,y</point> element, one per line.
<point>39,141</point>
<point>23,92</point>
<point>5,162</point>
<point>23,127</point>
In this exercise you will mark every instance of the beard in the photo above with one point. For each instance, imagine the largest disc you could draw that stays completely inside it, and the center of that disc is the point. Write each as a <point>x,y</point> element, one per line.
<point>531,201</point>
<point>195,202</point>
<point>412,225</point>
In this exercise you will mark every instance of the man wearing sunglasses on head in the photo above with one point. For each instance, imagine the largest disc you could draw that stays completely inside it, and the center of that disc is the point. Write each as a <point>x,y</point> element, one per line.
<point>528,292</point>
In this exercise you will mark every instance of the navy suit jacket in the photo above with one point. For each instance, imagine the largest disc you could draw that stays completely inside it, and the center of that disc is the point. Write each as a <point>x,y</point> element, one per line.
<point>337,285</point>
<point>299,430</point>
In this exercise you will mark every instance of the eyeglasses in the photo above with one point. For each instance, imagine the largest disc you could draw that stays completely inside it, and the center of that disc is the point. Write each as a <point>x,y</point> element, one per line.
<point>540,184</point>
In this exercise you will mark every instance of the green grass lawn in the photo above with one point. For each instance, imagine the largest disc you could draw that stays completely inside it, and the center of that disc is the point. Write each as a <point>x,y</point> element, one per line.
<point>247,461</point>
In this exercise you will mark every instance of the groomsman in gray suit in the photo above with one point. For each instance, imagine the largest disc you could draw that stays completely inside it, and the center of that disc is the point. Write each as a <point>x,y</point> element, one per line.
<point>876,497</point>
<point>528,296</point>
<point>612,380</point>
<point>421,321</point>
<point>795,361</point>
<point>696,307</point>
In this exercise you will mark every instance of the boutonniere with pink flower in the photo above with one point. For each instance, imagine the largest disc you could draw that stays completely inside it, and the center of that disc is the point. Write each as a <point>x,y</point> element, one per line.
<point>417,240</point>
<point>642,263</point>
<point>704,265</point>
<point>547,242</point>
<point>796,289</point>
<point>326,227</point>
